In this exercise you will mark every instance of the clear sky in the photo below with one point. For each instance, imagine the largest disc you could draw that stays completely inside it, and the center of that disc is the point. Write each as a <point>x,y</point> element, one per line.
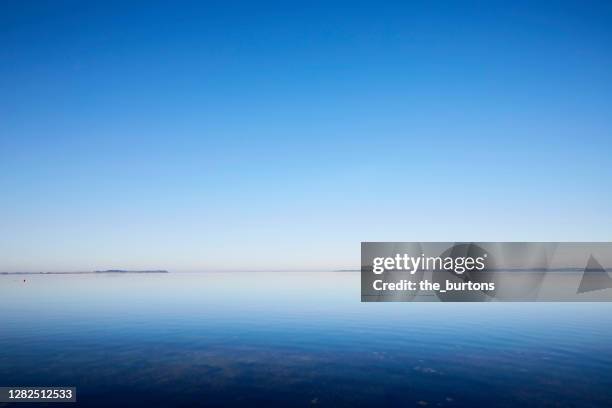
<point>255,135</point>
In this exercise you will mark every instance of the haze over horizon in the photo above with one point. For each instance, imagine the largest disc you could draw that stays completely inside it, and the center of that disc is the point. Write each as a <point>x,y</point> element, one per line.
<point>271,136</point>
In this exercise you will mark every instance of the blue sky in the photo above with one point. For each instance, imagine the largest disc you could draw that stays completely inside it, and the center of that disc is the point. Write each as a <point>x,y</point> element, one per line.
<point>255,135</point>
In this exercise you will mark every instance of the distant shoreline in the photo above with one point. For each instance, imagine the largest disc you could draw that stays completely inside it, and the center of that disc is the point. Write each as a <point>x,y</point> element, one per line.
<point>83,272</point>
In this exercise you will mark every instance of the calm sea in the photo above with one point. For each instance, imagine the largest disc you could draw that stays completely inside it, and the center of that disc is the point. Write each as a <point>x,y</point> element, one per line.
<point>294,339</point>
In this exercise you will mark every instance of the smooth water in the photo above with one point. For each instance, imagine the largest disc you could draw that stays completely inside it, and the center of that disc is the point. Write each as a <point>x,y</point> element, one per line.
<point>293,339</point>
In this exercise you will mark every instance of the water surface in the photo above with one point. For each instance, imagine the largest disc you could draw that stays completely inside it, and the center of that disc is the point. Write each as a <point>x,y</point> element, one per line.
<point>294,339</point>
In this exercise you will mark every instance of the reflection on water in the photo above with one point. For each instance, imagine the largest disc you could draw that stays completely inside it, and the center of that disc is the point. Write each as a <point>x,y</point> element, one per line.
<point>294,339</point>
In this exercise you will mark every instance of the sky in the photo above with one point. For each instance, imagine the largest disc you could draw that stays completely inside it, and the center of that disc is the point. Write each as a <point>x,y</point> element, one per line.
<point>231,135</point>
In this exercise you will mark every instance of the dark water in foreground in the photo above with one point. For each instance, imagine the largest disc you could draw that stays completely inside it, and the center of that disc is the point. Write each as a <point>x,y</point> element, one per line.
<point>294,339</point>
